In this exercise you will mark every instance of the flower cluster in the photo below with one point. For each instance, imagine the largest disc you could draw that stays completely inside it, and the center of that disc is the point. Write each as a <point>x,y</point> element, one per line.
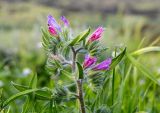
<point>90,61</point>
<point>64,58</point>
<point>54,27</point>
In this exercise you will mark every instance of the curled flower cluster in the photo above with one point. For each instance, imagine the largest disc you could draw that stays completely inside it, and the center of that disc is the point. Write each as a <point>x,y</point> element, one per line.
<point>90,61</point>
<point>54,27</point>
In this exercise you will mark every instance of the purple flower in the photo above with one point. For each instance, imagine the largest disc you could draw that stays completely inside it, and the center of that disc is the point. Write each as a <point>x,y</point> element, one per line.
<point>52,23</point>
<point>105,65</point>
<point>96,34</point>
<point>89,61</point>
<point>65,21</point>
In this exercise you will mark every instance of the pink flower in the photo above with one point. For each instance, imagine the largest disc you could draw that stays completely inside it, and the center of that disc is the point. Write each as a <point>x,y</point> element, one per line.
<point>52,31</point>
<point>105,65</point>
<point>89,61</point>
<point>96,34</point>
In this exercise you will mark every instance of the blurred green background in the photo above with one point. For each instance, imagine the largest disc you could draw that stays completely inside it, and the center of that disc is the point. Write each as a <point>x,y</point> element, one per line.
<point>131,23</point>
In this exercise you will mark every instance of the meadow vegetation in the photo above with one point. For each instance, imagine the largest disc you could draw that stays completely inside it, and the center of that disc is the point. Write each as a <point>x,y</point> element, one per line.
<point>133,86</point>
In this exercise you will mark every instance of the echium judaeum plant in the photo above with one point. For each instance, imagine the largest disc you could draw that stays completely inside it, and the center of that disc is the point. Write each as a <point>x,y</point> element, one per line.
<point>73,61</point>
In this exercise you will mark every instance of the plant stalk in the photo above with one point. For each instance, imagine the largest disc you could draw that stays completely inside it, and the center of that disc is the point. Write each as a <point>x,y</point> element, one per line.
<point>79,83</point>
<point>80,95</point>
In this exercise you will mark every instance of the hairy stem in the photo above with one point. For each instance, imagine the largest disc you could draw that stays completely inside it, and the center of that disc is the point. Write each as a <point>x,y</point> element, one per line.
<point>79,83</point>
<point>80,95</point>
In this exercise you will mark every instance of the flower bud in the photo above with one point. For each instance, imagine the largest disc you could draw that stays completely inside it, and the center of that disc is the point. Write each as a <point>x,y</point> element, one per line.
<point>52,23</point>
<point>105,65</point>
<point>65,21</point>
<point>96,34</point>
<point>89,61</point>
<point>52,31</point>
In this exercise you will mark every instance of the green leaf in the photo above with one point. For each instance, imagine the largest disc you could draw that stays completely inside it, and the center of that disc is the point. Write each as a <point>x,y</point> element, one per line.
<point>93,45</point>
<point>9,109</point>
<point>80,70</point>
<point>19,87</point>
<point>66,52</point>
<point>33,82</point>
<point>117,59</point>
<point>45,37</point>
<point>142,69</point>
<point>84,34</point>
<point>67,74</point>
<point>44,109</point>
<point>141,112</point>
<point>43,94</point>
<point>146,50</point>
<point>12,98</point>
<point>80,37</point>
<point>27,105</point>
<point>58,63</point>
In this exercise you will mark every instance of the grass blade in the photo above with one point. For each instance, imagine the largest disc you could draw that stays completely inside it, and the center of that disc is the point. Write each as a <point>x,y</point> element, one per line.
<point>117,59</point>
<point>146,50</point>
<point>142,69</point>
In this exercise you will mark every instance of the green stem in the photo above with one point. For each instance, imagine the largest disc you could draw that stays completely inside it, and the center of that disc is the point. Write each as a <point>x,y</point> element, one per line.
<point>80,95</point>
<point>79,83</point>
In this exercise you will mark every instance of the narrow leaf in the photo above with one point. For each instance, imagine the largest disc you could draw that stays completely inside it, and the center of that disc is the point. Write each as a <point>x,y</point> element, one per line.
<point>45,37</point>
<point>146,50</point>
<point>27,105</point>
<point>12,98</point>
<point>19,87</point>
<point>80,37</point>
<point>43,94</point>
<point>142,69</point>
<point>58,63</point>
<point>117,59</point>
<point>80,70</point>
<point>33,81</point>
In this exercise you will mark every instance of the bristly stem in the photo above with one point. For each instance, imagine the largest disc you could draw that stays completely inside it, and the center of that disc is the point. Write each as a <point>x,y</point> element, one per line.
<point>80,95</point>
<point>79,83</point>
